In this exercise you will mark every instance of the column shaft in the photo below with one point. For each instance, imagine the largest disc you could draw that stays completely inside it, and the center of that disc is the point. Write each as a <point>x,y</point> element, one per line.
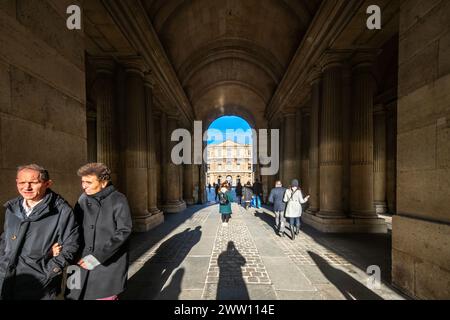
<point>380,163</point>
<point>289,161</point>
<point>331,153</point>
<point>314,168</point>
<point>361,195</point>
<point>136,143</point>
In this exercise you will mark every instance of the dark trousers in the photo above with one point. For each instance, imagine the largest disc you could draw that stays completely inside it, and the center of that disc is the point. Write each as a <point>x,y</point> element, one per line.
<point>226,217</point>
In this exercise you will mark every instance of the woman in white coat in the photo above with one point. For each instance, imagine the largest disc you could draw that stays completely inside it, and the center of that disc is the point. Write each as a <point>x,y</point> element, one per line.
<point>294,200</point>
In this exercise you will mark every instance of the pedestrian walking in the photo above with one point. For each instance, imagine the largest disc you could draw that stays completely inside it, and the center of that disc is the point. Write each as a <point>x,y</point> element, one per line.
<point>247,195</point>
<point>294,199</point>
<point>225,200</point>
<point>276,198</point>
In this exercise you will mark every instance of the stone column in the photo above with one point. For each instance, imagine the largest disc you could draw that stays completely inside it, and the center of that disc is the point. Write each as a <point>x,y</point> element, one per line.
<point>91,133</point>
<point>298,143</point>
<point>158,166</point>
<point>151,158</point>
<point>136,161</point>
<point>107,152</point>
<point>289,161</point>
<point>391,157</point>
<point>361,172</point>
<point>314,169</point>
<point>331,135</point>
<point>380,164</point>
<point>188,180</point>
<point>171,184</point>
<point>304,177</point>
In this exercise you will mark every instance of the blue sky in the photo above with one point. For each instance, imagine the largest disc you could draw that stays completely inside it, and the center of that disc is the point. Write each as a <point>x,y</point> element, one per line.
<point>228,123</point>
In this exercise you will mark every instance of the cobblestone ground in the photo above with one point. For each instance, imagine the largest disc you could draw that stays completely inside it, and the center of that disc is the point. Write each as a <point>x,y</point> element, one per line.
<point>193,256</point>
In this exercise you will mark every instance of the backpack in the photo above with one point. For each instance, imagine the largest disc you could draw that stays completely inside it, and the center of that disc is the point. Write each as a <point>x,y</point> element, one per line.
<point>223,200</point>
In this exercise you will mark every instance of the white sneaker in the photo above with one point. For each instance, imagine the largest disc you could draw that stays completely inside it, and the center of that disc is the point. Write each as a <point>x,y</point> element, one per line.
<point>224,224</point>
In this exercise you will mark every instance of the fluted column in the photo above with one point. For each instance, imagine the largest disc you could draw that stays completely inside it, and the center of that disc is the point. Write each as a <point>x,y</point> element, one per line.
<point>91,115</point>
<point>172,190</point>
<point>136,161</point>
<point>305,143</point>
<point>298,142</point>
<point>188,180</point>
<point>361,178</point>
<point>158,165</point>
<point>151,141</point>
<point>380,163</point>
<point>289,161</point>
<point>314,168</point>
<point>107,152</point>
<point>331,135</point>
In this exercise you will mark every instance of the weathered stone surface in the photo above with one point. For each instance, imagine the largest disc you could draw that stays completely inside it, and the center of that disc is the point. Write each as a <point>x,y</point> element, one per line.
<point>417,149</point>
<point>413,11</point>
<point>423,240</point>
<point>444,55</point>
<point>5,87</point>
<point>419,71</point>
<point>9,6</point>
<point>23,142</point>
<point>35,101</point>
<point>403,271</point>
<point>426,31</point>
<point>19,47</point>
<point>424,106</point>
<point>51,29</point>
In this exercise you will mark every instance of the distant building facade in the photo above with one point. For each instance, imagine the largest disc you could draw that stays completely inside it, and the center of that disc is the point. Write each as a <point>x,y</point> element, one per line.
<point>230,161</point>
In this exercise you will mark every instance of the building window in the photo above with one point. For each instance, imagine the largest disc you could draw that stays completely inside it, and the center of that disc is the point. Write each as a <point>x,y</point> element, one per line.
<point>229,153</point>
<point>220,166</point>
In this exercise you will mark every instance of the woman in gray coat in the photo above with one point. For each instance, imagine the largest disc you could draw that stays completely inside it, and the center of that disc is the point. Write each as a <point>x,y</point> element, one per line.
<point>294,200</point>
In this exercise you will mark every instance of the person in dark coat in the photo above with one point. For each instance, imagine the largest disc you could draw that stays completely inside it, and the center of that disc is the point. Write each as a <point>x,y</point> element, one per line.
<point>35,223</point>
<point>276,198</point>
<point>247,194</point>
<point>257,191</point>
<point>225,200</point>
<point>106,226</point>
<point>239,192</point>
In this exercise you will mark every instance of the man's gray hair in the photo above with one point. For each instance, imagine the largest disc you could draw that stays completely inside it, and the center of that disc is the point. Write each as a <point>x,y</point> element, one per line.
<point>44,176</point>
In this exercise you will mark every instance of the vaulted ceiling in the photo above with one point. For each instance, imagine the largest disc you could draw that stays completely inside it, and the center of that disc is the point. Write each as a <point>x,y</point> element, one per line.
<point>230,55</point>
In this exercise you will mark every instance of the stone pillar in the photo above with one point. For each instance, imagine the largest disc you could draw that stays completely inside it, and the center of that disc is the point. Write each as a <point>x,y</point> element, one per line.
<point>157,215</point>
<point>107,152</point>
<point>305,128</point>
<point>136,161</point>
<point>188,179</point>
<point>171,182</point>
<point>361,176</point>
<point>391,157</point>
<point>298,143</point>
<point>331,135</point>
<point>314,169</point>
<point>380,165</point>
<point>91,133</point>
<point>158,166</point>
<point>289,161</point>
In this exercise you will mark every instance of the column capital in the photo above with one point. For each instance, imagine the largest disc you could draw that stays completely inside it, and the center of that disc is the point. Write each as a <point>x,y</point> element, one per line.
<point>134,64</point>
<point>149,80</point>
<point>289,112</point>
<point>103,65</point>
<point>334,58</point>
<point>315,75</point>
<point>364,58</point>
<point>379,109</point>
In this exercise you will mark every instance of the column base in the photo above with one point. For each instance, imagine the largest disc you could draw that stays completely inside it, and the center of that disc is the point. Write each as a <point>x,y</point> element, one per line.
<point>312,211</point>
<point>147,223</point>
<point>380,207</point>
<point>189,202</point>
<point>345,225</point>
<point>173,207</point>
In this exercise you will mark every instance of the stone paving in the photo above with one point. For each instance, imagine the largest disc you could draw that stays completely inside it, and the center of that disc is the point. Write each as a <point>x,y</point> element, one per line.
<point>192,256</point>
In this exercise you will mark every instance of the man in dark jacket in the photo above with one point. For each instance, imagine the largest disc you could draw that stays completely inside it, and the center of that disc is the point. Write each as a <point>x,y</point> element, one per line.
<point>279,206</point>
<point>34,223</point>
<point>106,226</point>
<point>257,191</point>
